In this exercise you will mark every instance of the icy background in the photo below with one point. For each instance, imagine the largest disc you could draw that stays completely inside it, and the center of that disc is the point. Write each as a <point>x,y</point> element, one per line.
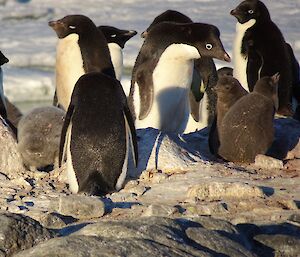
<point>29,43</point>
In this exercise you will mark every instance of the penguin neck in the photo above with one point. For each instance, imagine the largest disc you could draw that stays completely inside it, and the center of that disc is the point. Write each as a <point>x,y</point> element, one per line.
<point>116,55</point>
<point>239,60</point>
<point>175,67</point>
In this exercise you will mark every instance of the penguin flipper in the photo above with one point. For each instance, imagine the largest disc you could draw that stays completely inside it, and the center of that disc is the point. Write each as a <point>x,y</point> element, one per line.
<point>254,66</point>
<point>129,122</point>
<point>194,107</point>
<point>63,141</point>
<point>213,138</point>
<point>55,100</point>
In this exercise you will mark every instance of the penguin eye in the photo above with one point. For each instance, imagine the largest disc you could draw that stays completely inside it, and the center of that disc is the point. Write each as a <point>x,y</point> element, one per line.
<point>114,35</point>
<point>72,27</point>
<point>250,11</point>
<point>208,46</point>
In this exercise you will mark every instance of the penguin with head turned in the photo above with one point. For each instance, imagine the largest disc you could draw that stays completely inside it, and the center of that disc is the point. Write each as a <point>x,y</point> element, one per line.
<point>81,48</point>
<point>201,96</point>
<point>260,50</point>
<point>96,134</point>
<point>116,40</point>
<point>163,73</point>
<point>247,128</point>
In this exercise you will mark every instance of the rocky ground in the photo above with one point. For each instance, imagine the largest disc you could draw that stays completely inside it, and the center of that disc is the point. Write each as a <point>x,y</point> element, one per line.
<point>180,201</point>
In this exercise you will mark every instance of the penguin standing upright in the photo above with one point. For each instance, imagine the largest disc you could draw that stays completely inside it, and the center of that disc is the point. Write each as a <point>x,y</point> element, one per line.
<point>96,134</point>
<point>116,40</point>
<point>263,46</point>
<point>81,48</point>
<point>202,98</point>
<point>163,73</point>
<point>247,128</point>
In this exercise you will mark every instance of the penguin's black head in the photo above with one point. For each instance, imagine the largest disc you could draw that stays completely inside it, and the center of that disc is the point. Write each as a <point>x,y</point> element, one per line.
<point>3,59</point>
<point>206,38</point>
<point>115,35</point>
<point>251,9</point>
<point>268,86</point>
<point>169,15</point>
<point>72,24</point>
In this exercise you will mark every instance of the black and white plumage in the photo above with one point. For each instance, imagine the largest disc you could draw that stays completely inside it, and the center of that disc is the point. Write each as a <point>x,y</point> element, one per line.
<point>260,50</point>
<point>163,73</point>
<point>81,48</point>
<point>96,135</point>
<point>116,40</point>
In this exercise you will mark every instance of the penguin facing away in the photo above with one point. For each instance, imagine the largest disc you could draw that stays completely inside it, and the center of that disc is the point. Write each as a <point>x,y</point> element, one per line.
<point>163,73</point>
<point>229,91</point>
<point>81,48</point>
<point>264,47</point>
<point>116,39</point>
<point>202,98</point>
<point>96,134</point>
<point>247,128</point>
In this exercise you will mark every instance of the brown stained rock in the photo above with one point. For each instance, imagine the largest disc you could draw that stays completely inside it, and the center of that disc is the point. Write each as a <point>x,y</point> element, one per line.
<point>292,165</point>
<point>223,190</point>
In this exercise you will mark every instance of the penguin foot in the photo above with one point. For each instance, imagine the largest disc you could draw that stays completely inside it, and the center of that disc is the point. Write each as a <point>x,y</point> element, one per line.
<point>286,111</point>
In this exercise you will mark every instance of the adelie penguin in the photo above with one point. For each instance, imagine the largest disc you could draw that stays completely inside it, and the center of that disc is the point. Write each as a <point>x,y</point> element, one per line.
<point>81,48</point>
<point>163,73</point>
<point>116,40</point>
<point>260,50</point>
<point>201,96</point>
<point>96,135</point>
<point>247,128</point>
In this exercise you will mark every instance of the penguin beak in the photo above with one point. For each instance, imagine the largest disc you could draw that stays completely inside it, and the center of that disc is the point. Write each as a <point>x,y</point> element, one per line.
<point>131,33</point>
<point>59,27</point>
<point>233,12</point>
<point>227,57</point>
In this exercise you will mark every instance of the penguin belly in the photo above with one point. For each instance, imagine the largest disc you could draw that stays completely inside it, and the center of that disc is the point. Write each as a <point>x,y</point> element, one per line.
<point>69,68</point>
<point>116,55</point>
<point>240,61</point>
<point>170,109</point>
<point>73,183</point>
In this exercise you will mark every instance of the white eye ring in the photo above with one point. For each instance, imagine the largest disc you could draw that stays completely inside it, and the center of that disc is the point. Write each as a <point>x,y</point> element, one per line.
<point>72,27</point>
<point>250,11</point>
<point>208,46</point>
<point>113,35</point>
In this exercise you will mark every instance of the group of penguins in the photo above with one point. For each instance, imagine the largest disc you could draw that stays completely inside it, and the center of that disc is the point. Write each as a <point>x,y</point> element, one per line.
<point>175,88</point>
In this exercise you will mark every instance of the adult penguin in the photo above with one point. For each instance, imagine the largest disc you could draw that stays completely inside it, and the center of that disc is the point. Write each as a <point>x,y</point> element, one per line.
<point>163,73</point>
<point>81,48</point>
<point>201,96</point>
<point>96,134</point>
<point>260,50</point>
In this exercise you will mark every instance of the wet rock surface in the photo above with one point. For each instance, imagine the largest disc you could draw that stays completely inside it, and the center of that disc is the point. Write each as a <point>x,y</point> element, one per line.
<point>185,203</point>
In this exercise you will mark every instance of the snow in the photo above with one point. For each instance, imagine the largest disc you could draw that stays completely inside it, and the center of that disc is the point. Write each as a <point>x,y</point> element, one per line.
<point>30,44</point>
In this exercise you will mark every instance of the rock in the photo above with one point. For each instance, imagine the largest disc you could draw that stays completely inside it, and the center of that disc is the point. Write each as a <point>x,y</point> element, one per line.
<point>295,152</point>
<point>139,237</point>
<point>217,243</point>
<point>266,162</point>
<point>18,232</point>
<point>158,150</point>
<point>292,165</point>
<point>295,218</point>
<point>160,210</point>
<point>10,159</point>
<point>222,190</point>
<point>206,209</point>
<point>81,207</point>
<point>284,245</point>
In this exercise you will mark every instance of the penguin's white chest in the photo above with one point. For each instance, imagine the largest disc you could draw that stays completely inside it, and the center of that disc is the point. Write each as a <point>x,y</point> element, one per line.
<point>172,78</point>
<point>69,68</point>
<point>116,55</point>
<point>240,61</point>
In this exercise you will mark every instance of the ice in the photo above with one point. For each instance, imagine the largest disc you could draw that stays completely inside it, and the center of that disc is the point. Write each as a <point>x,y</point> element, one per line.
<point>30,44</point>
